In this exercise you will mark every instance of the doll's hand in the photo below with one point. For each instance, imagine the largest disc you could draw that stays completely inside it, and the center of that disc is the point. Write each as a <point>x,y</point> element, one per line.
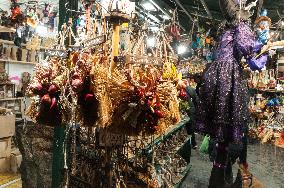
<point>271,52</point>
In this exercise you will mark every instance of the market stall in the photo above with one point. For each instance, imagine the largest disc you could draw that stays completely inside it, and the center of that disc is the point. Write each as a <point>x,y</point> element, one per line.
<point>107,93</point>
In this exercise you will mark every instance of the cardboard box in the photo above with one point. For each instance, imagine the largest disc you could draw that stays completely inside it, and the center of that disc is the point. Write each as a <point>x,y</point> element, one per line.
<point>5,164</point>
<point>7,126</point>
<point>5,147</point>
<point>15,162</point>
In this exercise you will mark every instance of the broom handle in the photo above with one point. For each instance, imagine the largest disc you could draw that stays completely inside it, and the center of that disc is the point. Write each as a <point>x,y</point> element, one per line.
<point>268,46</point>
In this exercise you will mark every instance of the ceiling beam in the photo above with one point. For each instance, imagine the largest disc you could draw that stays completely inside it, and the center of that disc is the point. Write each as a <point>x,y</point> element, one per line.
<point>148,15</point>
<point>168,14</point>
<point>158,6</point>
<point>206,8</point>
<point>216,17</point>
<point>185,11</point>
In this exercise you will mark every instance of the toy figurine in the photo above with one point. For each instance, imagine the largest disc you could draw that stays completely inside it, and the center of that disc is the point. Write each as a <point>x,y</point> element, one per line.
<point>262,38</point>
<point>263,22</point>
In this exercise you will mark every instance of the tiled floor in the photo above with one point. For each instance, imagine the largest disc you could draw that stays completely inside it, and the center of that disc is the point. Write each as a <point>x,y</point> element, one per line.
<point>266,163</point>
<point>17,184</point>
<point>9,177</point>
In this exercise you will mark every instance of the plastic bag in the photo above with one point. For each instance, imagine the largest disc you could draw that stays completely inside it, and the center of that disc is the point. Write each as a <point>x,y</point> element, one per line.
<point>205,145</point>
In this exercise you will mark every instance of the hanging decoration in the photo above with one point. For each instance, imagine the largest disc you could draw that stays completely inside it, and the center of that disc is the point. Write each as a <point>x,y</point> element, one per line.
<point>137,90</point>
<point>174,27</point>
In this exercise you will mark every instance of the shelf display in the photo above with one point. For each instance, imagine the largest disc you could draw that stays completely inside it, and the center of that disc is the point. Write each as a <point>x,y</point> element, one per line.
<point>267,111</point>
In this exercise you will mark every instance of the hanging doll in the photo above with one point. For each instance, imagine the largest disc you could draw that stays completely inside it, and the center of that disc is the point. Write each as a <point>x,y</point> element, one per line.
<point>262,38</point>
<point>198,44</point>
<point>174,27</point>
<point>32,19</point>
<point>17,19</point>
<point>222,110</point>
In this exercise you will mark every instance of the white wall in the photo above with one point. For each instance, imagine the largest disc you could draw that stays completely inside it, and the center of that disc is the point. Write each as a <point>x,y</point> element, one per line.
<point>5,5</point>
<point>17,69</point>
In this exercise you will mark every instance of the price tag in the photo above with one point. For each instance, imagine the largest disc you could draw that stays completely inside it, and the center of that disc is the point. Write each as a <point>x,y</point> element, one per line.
<point>94,41</point>
<point>56,53</point>
<point>110,139</point>
<point>78,183</point>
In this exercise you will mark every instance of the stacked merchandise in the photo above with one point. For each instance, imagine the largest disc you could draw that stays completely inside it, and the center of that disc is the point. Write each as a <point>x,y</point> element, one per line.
<point>8,129</point>
<point>191,67</point>
<point>266,106</point>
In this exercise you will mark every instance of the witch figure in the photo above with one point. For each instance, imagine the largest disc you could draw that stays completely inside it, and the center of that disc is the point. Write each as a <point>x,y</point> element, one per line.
<point>222,109</point>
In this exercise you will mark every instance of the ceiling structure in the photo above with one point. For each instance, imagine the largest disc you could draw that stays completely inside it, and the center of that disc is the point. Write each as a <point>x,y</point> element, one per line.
<point>202,12</point>
<point>207,12</point>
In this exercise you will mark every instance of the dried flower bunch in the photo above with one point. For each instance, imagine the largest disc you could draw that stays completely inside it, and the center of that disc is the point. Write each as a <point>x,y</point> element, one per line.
<point>135,100</point>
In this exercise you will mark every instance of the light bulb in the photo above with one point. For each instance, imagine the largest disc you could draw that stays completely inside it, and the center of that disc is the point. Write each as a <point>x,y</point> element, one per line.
<point>181,49</point>
<point>41,30</point>
<point>151,42</point>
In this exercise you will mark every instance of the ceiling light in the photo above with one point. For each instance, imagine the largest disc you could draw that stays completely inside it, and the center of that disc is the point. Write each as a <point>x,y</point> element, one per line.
<point>181,49</point>
<point>151,42</point>
<point>41,30</point>
<point>148,6</point>
<point>154,28</point>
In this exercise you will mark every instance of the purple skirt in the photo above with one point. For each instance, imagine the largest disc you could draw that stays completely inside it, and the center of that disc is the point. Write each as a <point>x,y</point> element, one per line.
<point>222,109</point>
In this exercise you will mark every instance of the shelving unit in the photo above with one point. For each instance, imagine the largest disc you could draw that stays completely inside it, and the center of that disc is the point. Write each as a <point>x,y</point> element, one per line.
<point>17,62</point>
<point>12,99</point>
<point>150,149</point>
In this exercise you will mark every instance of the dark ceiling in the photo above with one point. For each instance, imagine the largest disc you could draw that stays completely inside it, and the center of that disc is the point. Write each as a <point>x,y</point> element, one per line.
<point>196,10</point>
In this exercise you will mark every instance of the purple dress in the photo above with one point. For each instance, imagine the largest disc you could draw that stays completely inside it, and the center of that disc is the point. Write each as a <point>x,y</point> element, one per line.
<point>222,110</point>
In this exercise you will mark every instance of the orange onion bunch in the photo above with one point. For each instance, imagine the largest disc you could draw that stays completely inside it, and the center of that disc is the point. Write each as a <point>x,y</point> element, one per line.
<point>80,82</point>
<point>47,84</point>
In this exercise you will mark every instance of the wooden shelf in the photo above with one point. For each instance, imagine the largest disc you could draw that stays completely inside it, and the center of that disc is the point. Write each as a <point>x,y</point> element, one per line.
<point>185,172</point>
<point>267,90</point>
<point>8,42</point>
<point>17,62</point>
<point>11,99</point>
<point>7,29</point>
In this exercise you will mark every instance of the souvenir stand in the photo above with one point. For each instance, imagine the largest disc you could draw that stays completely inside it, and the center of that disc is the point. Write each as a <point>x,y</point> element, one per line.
<point>266,87</point>
<point>266,105</point>
<point>114,109</point>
